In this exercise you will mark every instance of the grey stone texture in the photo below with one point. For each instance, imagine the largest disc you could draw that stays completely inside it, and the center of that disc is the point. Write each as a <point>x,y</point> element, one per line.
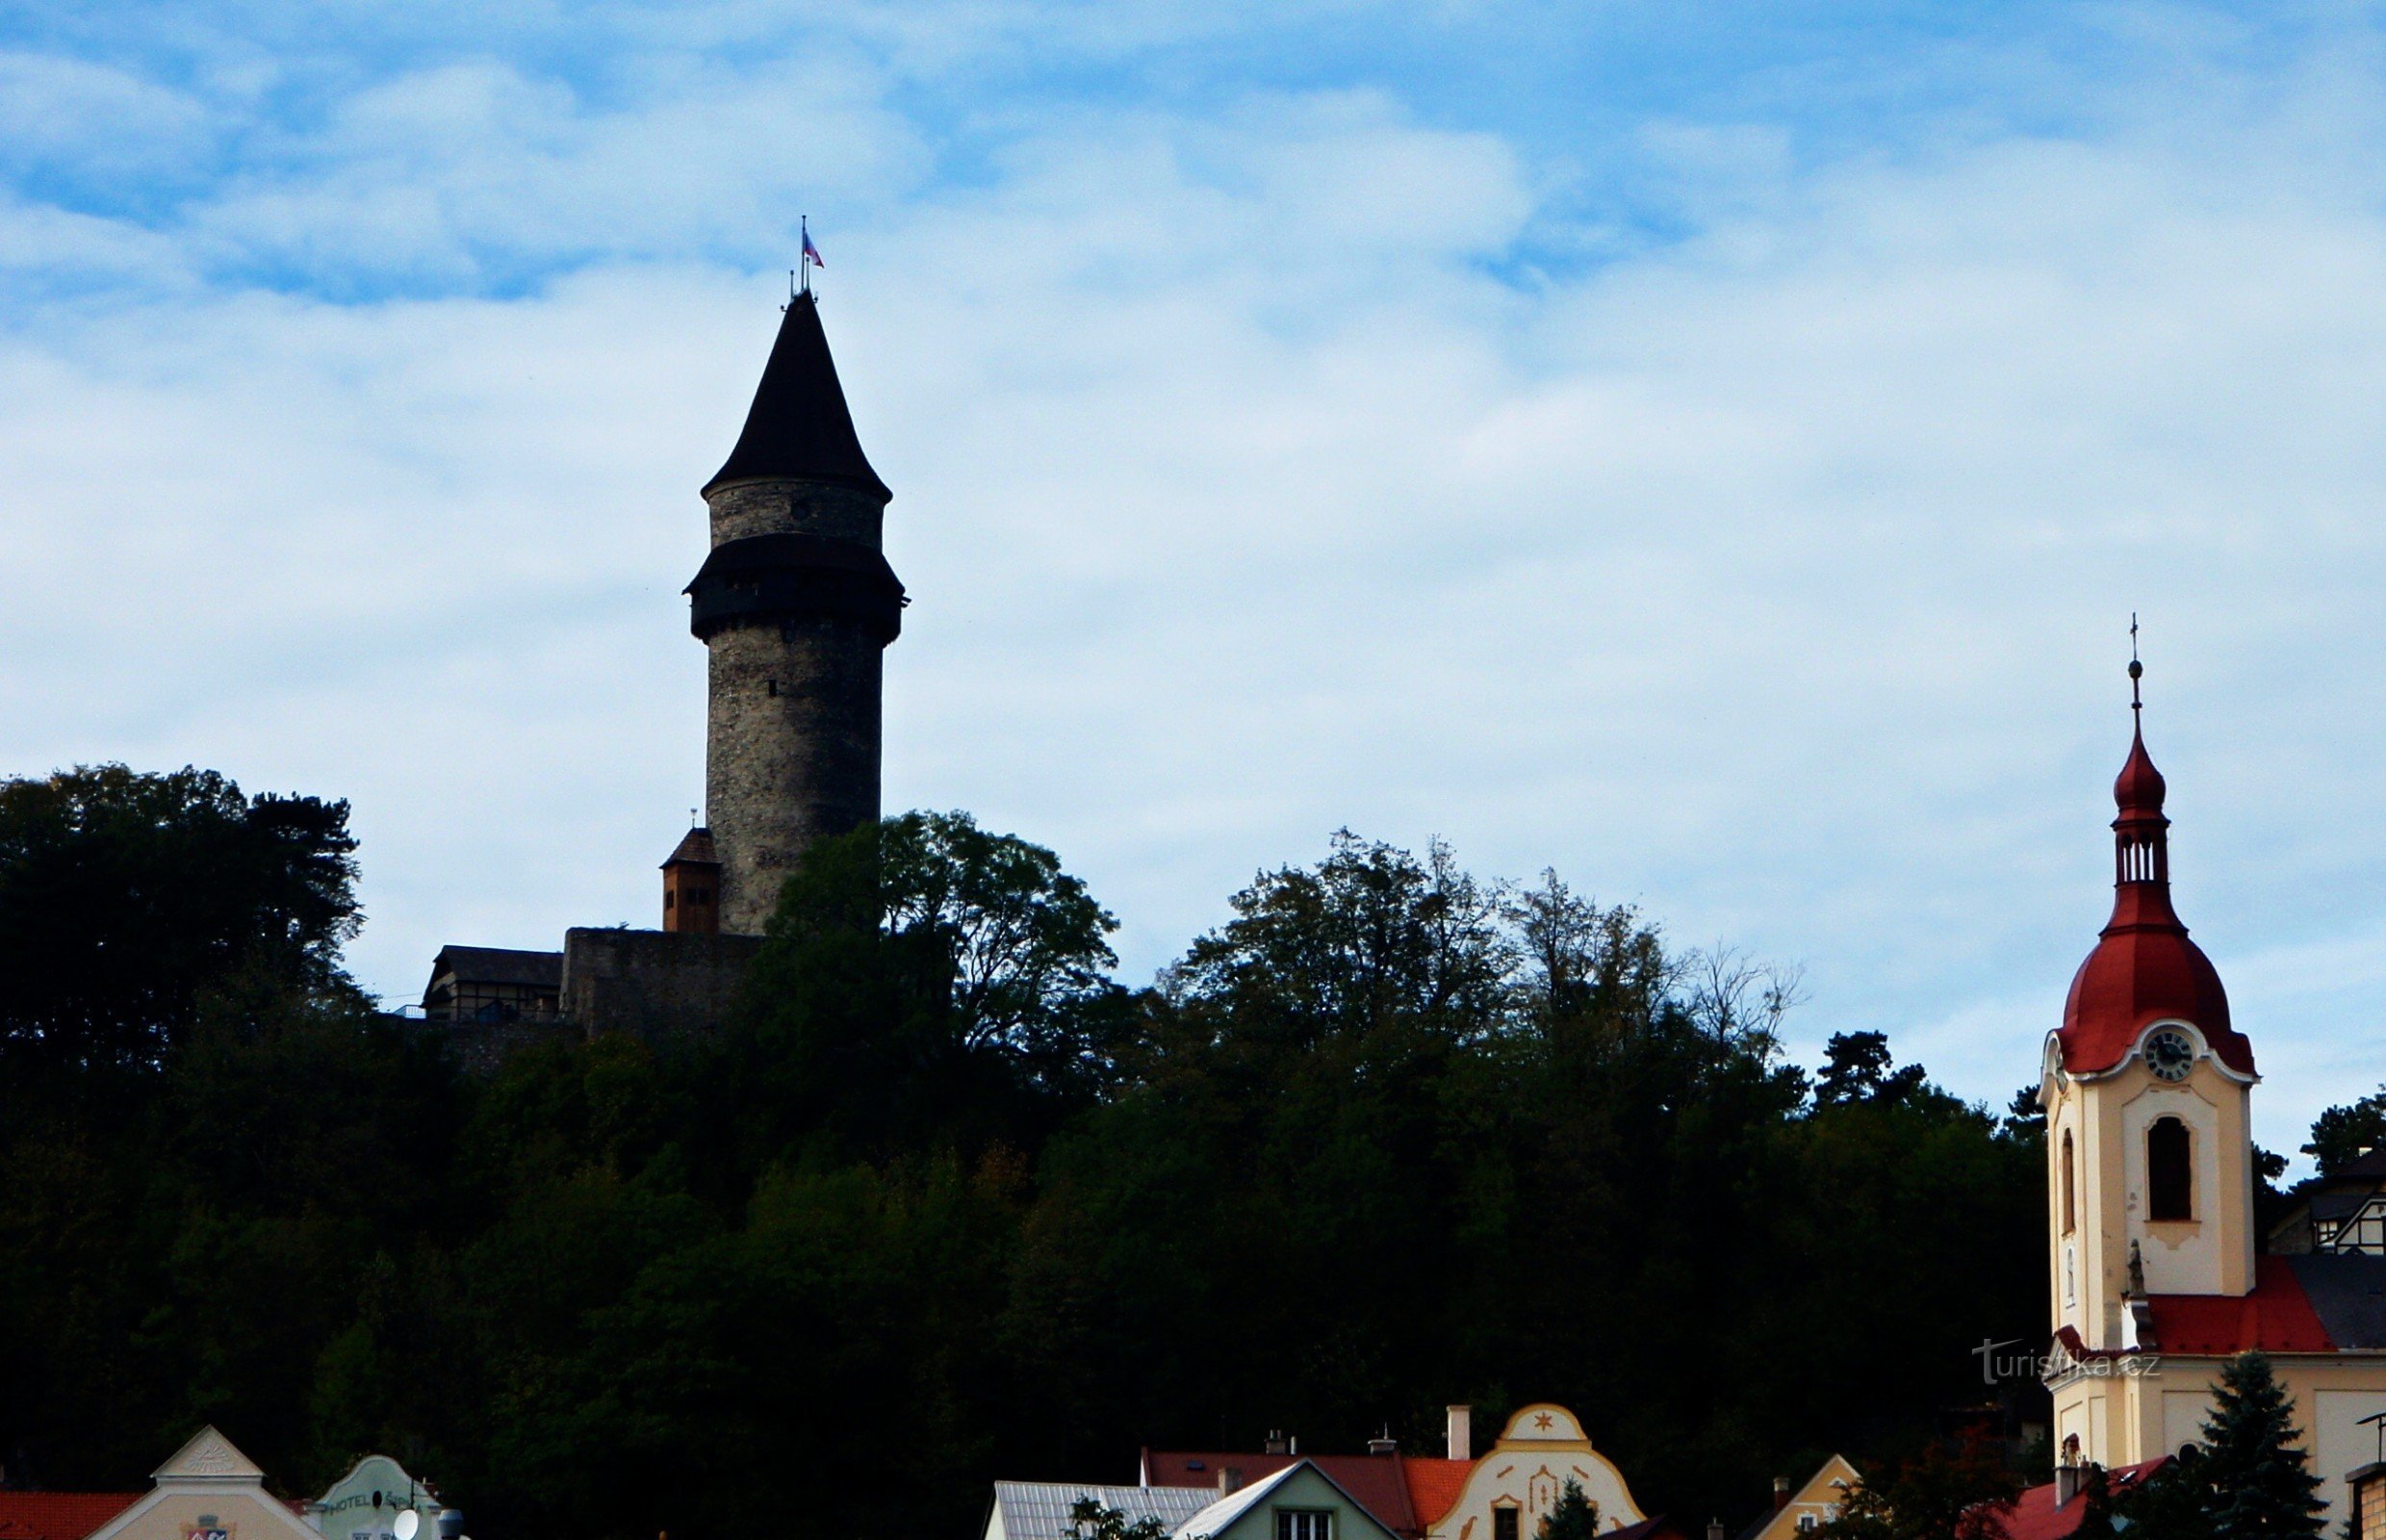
<point>838,512</point>
<point>655,984</point>
<point>794,721</point>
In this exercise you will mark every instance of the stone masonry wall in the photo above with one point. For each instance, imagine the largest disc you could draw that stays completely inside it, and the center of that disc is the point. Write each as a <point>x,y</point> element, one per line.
<point>795,507</point>
<point>793,730</point>
<point>656,984</point>
<point>793,752</point>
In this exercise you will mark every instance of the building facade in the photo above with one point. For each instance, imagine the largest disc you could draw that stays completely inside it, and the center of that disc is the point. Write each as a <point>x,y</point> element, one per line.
<point>2155,1280</point>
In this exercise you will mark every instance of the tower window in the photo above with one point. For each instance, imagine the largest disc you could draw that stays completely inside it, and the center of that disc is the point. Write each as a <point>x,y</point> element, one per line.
<point>1504,1524</point>
<point>2070,1195</point>
<point>2170,1174</point>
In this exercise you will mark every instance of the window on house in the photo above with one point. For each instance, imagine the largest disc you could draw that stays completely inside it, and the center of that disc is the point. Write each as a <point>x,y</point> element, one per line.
<point>1807,1523</point>
<point>2070,1199</point>
<point>1504,1524</point>
<point>2170,1175</point>
<point>1304,1523</point>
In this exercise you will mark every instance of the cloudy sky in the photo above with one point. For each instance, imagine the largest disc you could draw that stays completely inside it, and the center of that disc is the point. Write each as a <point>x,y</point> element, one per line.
<point>1711,450</point>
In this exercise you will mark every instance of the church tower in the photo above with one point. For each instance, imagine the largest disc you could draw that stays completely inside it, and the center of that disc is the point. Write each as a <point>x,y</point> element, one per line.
<point>794,605</point>
<point>2150,1148</point>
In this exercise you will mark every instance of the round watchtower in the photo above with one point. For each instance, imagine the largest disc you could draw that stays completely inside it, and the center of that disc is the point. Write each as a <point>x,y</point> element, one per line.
<point>795,605</point>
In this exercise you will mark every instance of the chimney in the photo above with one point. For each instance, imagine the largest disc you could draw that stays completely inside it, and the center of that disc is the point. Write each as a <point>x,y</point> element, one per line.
<point>1462,1433</point>
<point>1277,1443</point>
<point>1714,1529</point>
<point>1230,1479</point>
<point>1386,1445</point>
<point>1781,1492</point>
<point>2066,1484</point>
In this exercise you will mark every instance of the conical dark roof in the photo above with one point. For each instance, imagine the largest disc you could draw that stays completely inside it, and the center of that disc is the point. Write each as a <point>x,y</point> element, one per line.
<point>798,427</point>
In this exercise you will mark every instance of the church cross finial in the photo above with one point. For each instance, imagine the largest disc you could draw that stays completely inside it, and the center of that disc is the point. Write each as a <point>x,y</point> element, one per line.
<point>2136,670</point>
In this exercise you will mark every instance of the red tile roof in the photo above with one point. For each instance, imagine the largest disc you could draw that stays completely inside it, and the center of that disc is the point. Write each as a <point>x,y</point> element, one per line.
<point>1434,1486</point>
<point>59,1515</point>
<point>2277,1316</point>
<point>2035,1517</point>
<point>1376,1482</point>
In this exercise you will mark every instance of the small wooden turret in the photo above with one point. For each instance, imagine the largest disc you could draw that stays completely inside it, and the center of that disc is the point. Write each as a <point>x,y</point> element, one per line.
<point>692,885</point>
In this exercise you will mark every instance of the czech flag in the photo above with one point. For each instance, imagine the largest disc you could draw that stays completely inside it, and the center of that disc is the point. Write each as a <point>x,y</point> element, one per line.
<point>811,253</point>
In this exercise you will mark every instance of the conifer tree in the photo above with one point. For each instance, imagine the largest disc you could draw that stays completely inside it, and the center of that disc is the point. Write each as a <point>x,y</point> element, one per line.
<point>1575,1517</point>
<point>2256,1470</point>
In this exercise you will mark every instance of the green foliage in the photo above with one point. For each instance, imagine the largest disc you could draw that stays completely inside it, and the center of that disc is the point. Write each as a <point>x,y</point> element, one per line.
<point>2340,1134</point>
<point>1961,1491</point>
<point>1089,1520</point>
<point>925,981</point>
<point>126,899</point>
<point>1575,1517</point>
<point>1390,1137</point>
<point>2258,1476</point>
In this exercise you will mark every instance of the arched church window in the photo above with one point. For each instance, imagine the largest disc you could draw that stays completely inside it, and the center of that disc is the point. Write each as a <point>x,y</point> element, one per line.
<point>2070,1199</point>
<point>2169,1177</point>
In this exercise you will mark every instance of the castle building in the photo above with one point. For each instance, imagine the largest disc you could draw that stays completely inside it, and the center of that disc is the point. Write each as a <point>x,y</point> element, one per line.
<point>795,607</point>
<point>795,604</point>
<point>2154,1276</point>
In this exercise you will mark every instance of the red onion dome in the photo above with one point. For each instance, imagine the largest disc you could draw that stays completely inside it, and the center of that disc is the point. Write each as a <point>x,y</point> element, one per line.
<point>2144,970</point>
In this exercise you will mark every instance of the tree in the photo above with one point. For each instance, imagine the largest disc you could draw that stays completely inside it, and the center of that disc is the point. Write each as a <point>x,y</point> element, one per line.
<point>2258,1476</point>
<point>1575,1517</point>
<point>126,898</point>
<point>1960,1491</point>
<point>1089,1520</point>
<point>925,981</point>
<point>1856,1068</point>
<point>2341,1134</point>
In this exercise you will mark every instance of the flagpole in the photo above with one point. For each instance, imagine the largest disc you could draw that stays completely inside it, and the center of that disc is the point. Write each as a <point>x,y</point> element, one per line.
<point>803,255</point>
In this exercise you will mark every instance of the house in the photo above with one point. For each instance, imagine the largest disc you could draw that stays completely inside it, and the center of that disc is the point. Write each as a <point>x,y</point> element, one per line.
<point>2053,1511</point>
<point>1503,1496</point>
<point>2342,1214</point>
<point>59,1515</point>
<point>1041,1510</point>
<point>365,1503</point>
<point>208,1491</point>
<point>1297,1502</point>
<point>1400,1491</point>
<point>1809,1507</point>
<point>1517,1484</point>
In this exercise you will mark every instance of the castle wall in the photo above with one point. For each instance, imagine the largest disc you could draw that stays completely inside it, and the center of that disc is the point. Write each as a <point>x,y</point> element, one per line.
<point>656,984</point>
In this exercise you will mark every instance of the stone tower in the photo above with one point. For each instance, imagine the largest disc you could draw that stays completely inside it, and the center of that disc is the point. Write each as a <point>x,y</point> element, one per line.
<point>794,605</point>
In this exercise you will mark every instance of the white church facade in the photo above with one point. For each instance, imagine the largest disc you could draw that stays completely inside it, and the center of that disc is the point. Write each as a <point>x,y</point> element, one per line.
<point>2155,1280</point>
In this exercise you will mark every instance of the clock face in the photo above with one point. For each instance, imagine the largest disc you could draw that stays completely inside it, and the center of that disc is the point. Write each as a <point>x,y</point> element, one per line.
<point>2169,1053</point>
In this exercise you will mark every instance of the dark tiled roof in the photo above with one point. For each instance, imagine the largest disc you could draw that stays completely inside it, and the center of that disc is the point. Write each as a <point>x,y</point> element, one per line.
<point>1376,1482</point>
<point>798,427</point>
<point>498,965</point>
<point>697,847</point>
<point>59,1515</point>
<point>2348,1296</point>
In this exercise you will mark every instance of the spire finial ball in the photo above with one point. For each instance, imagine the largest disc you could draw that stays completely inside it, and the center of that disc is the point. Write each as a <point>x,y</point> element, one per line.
<point>2136,670</point>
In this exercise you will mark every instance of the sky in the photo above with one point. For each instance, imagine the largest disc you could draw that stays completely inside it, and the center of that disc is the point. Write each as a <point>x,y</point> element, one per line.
<point>1711,451</point>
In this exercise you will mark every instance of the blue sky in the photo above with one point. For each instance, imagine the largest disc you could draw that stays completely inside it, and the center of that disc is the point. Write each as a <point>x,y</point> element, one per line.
<point>1713,451</point>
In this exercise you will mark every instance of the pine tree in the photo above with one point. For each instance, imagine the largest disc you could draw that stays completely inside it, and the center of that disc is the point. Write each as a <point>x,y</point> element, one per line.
<point>2257,1472</point>
<point>1575,1517</point>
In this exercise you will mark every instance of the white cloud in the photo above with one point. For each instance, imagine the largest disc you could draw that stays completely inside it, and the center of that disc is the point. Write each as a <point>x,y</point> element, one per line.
<point>1775,578</point>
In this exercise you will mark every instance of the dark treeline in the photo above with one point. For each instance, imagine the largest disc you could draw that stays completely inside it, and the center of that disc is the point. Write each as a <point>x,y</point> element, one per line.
<point>946,1203</point>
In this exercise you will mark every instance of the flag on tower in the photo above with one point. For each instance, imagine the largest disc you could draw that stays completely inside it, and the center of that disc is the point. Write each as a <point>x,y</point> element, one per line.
<point>811,253</point>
